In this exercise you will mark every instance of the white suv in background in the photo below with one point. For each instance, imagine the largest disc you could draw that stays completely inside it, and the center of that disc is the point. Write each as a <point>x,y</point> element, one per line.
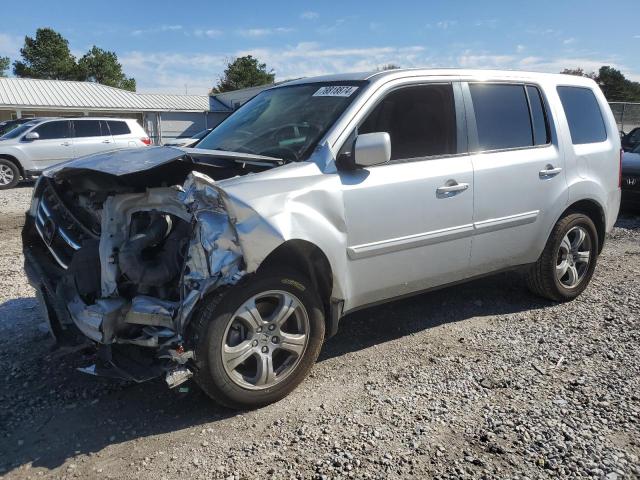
<point>34,146</point>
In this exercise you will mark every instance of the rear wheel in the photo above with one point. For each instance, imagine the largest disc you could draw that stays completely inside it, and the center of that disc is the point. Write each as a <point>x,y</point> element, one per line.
<point>566,265</point>
<point>9,174</point>
<point>255,343</point>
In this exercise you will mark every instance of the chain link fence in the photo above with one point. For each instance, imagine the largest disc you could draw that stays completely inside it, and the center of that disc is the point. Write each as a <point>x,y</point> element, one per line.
<point>627,115</point>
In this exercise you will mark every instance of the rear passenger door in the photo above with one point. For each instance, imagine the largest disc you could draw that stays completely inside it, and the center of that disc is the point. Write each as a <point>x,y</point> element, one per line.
<point>519,178</point>
<point>91,136</point>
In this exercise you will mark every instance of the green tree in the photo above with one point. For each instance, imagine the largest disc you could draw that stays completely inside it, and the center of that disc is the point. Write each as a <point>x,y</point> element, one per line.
<point>101,66</point>
<point>46,56</point>
<point>615,86</point>
<point>244,72</point>
<point>578,72</point>
<point>4,66</point>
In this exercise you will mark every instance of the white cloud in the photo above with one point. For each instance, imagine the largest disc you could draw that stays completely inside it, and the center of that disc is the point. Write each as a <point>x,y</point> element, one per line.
<point>263,32</point>
<point>309,15</point>
<point>10,45</point>
<point>568,41</point>
<point>636,36</point>
<point>169,72</point>
<point>446,24</point>
<point>160,29</point>
<point>210,33</point>
<point>520,48</point>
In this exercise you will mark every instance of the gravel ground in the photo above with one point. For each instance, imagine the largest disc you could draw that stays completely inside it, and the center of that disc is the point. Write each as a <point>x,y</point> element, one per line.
<point>481,380</point>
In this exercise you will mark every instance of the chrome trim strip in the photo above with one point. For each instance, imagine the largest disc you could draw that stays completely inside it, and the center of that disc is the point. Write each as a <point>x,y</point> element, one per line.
<point>410,241</point>
<point>365,250</point>
<point>53,253</point>
<point>65,236</point>
<point>493,224</point>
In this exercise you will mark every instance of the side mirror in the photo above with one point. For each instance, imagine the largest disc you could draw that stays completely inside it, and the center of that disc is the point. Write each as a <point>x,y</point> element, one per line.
<point>32,136</point>
<point>372,149</point>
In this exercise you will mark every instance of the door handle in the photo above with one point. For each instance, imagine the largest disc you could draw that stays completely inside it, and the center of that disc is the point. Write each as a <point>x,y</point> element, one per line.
<point>549,171</point>
<point>66,144</point>
<point>106,141</point>
<point>451,188</point>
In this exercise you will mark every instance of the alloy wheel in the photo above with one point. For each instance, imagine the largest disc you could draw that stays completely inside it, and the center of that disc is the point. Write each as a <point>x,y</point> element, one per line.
<point>265,339</point>
<point>6,175</point>
<point>574,256</point>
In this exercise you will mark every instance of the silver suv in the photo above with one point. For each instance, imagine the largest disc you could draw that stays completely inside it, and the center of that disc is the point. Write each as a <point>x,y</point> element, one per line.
<point>233,262</point>
<point>35,145</point>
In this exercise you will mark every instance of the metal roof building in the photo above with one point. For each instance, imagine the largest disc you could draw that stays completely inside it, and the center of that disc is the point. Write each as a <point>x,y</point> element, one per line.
<point>165,117</point>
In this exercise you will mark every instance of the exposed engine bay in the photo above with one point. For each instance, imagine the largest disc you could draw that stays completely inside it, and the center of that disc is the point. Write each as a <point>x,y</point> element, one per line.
<point>123,254</point>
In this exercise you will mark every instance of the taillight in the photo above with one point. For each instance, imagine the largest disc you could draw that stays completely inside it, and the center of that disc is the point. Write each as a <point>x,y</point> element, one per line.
<point>620,170</point>
<point>146,140</point>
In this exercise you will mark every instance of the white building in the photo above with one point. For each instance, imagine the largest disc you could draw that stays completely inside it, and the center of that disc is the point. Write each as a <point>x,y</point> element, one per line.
<point>164,117</point>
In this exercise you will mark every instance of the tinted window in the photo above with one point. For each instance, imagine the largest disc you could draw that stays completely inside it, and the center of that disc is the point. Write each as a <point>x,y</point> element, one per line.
<point>502,116</point>
<point>87,128</point>
<point>538,117</point>
<point>118,128</point>
<point>583,114</point>
<point>421,121</point>
<point>51,130</point>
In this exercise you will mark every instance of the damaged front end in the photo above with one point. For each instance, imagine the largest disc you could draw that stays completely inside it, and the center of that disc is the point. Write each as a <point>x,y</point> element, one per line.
<point>123,248</point>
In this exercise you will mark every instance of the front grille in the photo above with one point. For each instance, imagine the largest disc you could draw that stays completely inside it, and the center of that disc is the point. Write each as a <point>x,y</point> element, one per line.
<point>58,228</point>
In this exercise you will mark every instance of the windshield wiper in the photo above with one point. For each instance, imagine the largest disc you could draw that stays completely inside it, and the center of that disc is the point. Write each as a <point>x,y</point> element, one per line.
<point>249,158</point>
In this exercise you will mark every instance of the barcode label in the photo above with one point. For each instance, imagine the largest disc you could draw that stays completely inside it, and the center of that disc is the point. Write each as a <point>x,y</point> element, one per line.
<point>335,91</point>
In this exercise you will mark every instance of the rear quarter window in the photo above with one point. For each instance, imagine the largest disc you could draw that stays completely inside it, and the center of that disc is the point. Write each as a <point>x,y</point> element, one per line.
<point>581,108</point>
<point>118,128</point>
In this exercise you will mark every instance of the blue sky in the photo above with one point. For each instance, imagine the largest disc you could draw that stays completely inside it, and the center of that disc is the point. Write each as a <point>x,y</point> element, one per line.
<point>173,47</point>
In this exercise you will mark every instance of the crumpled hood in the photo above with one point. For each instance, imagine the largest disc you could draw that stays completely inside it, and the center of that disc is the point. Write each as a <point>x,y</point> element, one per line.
<point>631,163</point>
<point>136,160</point>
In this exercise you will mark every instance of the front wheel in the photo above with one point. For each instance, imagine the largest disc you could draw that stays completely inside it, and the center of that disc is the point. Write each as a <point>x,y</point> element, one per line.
<point>568,260</point>
<point>256,342</point>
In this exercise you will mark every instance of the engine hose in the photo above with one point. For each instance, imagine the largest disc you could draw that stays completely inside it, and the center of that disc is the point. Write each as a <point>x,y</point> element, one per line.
<point>158,269</point>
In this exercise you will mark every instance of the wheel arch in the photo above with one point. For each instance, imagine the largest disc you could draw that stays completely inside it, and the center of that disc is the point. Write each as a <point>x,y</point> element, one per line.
<point>309,259</point>
<point>14,160</point>
<point>592,209</point>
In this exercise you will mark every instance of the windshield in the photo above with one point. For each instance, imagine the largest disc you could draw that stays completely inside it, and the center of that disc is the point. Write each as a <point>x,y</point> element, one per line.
<point>285,122</point>
<point>636,149</point>
<point>16,132</point>
<point>199,135</point>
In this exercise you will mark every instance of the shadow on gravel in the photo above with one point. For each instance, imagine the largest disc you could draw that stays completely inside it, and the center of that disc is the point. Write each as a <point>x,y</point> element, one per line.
<point>500,294</point>
<point>98,412</point>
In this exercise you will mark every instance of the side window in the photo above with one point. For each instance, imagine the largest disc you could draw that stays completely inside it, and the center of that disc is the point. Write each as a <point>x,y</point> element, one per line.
<point>420,120</point>
<point>53,130</point>
<point>502,116</point>
<point>118,128</point>
<point>86,128</point>
<point>583,115</point>
<point>541,134</point>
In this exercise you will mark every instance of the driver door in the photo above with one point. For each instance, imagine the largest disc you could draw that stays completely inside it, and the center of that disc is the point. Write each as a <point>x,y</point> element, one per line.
<point>409,222</point>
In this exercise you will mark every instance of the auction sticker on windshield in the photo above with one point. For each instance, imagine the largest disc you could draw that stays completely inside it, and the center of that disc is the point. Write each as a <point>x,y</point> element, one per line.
<point>335,91</point>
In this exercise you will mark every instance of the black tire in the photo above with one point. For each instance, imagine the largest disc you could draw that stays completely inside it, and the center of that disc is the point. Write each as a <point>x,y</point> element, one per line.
<point>14,171</point>
<point>542,279</point>
<point>209,325</point>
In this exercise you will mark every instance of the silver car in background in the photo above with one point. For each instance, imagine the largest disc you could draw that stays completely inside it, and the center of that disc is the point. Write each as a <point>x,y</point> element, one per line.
<point>234,261</point>
<point>40,143</point>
